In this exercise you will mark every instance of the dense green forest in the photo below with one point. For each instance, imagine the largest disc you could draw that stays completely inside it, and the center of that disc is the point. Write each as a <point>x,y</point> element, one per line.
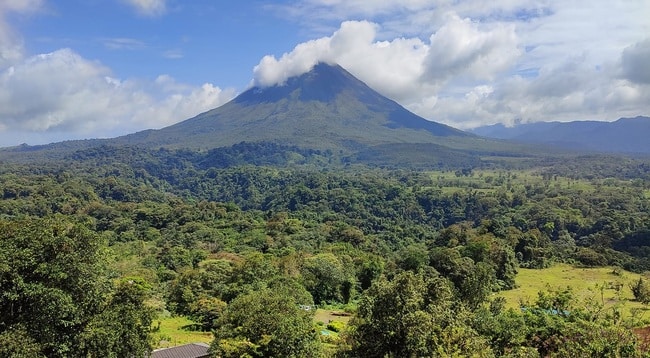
<point>94,247</point>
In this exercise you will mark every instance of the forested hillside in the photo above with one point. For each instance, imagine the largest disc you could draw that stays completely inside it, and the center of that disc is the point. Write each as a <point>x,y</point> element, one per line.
<point>241,244</point>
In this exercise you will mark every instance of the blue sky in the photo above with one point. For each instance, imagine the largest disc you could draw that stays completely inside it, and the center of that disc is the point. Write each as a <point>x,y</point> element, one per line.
<point>72,69</point>
<point>196,41</point>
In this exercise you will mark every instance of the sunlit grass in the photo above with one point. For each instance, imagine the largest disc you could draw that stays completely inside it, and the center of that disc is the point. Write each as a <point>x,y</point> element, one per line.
<point>487,181</point>
<point>173,331</point>
<point>586,283</point>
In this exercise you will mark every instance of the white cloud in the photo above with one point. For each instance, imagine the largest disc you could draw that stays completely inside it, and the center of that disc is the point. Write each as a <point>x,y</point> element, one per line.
<point>391,66</point>
<point>148,7</point>
<point>173,54</point>
<point>471,62</point>
<point>460,47</point>
<point>63,92</point>
<point>406,69</point>
<point>11,45</point>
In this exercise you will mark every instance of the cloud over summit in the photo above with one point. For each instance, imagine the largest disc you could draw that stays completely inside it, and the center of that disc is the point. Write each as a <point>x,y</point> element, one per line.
<point>405,68</point>
<point>470,63</point>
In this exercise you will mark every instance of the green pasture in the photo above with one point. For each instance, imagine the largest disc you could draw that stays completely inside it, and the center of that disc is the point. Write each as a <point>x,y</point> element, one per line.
<point>486,181</point>
<point>175,331</point>
<point>597,284</point>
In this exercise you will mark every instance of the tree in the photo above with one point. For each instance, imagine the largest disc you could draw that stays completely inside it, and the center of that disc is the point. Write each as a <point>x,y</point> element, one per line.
<point>413,315</point>
<point>413,257</point>
<point>17,343</point>
<point>265,324</point>
<point>206,311</point>
<point>54,291</point>
<point>473,282</point>
<point>325,277</point>
<point>122,328</point>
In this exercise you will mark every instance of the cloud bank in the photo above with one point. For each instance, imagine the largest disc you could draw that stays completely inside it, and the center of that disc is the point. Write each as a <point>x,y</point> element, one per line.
<point>64,92</point>
<point>62,95</point>
<point>471,63</point>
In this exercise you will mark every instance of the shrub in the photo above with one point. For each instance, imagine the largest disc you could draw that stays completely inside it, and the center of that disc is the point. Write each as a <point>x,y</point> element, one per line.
<point>336,326</point>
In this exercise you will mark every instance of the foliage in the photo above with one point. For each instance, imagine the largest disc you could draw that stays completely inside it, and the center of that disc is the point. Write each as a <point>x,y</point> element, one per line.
<point>412,315</point>
<point>335,326</point>
<point>265,324</point>
<point>641,291</point>
<point>56,294</point>
<point>419,253</point>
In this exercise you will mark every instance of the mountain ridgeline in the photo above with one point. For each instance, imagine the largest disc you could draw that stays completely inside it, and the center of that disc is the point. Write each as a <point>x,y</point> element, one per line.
<point>626,135</point>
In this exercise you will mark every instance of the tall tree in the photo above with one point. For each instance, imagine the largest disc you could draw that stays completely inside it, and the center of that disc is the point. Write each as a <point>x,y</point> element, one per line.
<point>265,324</point>
<point>54,288</point>
<point>413,315</point>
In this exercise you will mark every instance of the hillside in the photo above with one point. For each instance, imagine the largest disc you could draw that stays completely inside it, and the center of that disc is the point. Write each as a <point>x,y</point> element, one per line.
<point>326,109</point>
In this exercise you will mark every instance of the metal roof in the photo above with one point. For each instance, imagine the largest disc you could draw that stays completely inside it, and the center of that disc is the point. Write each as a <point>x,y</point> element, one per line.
<point>192,350</point>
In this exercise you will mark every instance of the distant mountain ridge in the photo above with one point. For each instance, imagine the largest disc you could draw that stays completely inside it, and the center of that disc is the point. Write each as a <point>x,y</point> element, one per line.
<point>625,135</point>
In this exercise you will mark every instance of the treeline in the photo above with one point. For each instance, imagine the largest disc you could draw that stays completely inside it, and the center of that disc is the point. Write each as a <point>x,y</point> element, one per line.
<point>240,249</point>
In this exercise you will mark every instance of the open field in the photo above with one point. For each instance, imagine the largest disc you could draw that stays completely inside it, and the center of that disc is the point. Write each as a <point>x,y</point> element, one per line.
<point>586,283</point>
<point>173,332</point>
<point>487,181</point>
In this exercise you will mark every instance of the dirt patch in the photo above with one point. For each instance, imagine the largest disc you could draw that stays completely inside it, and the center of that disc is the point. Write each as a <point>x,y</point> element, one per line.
<point>326,316</point>
<point>643,333</point>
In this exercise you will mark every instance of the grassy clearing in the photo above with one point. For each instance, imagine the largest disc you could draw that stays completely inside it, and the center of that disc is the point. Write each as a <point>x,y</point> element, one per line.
<point>174,332</point>
<point>486,181</point>
<point>586,283</point>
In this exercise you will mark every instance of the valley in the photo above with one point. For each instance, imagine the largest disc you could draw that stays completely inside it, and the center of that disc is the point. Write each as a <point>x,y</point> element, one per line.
<point>247,226</point>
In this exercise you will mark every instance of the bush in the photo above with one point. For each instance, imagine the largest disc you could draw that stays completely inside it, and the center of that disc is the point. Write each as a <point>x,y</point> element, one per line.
<point>641,291</point>
<point>336,326</point>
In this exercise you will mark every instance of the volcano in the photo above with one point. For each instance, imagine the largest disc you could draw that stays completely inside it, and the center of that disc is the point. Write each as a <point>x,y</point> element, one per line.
<point>325,108</point>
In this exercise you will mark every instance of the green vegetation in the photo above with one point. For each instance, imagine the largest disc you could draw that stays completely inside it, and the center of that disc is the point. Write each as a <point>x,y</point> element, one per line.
<point>176,331</point>
<point>610,286</point>
<point>94,249</point>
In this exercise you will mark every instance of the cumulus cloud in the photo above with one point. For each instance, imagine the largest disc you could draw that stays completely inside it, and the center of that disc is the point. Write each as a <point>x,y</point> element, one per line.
<point>402,67</point>
<point>62,91</point>
<point>11,46</point>
<point>469,63</point>
<point>459,47</point>
<point>636,62</point>
<point>148,7</point>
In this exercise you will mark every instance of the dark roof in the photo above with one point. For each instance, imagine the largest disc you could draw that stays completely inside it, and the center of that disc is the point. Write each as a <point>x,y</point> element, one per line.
<point>192,350</point>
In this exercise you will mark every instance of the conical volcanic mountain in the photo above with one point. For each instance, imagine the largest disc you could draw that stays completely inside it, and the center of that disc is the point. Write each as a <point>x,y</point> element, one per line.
<point>325,108</point>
